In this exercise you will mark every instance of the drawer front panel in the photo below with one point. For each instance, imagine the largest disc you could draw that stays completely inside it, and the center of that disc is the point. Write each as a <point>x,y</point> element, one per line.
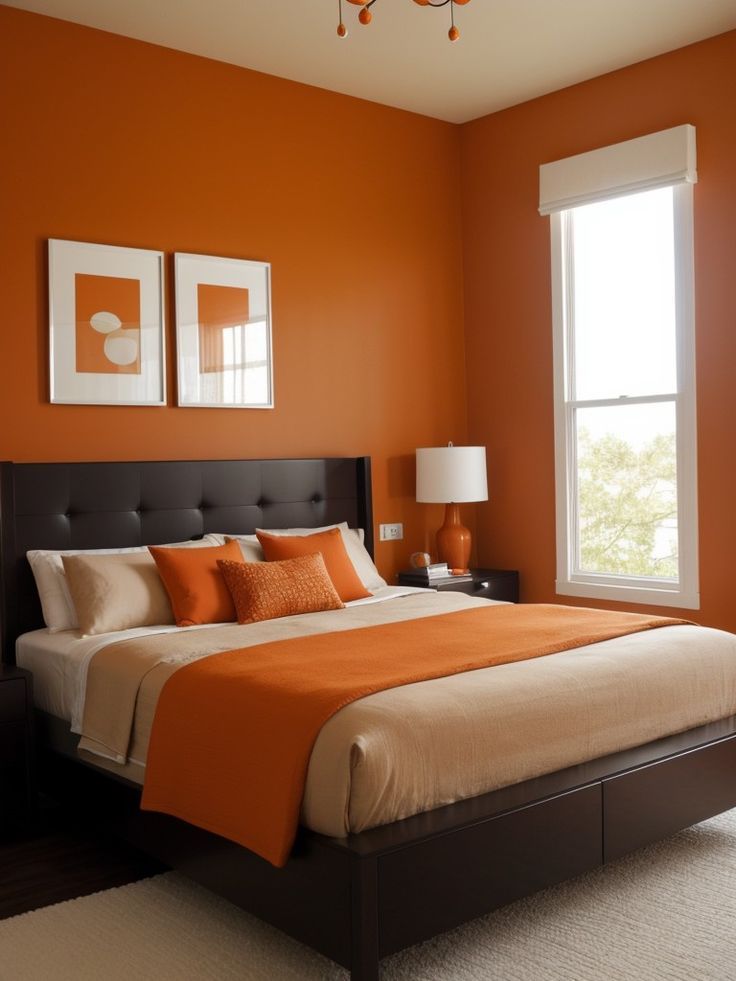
<point>12,743</point>
<point>12,700</point>
<point>494,587</point>
<point>502,588</point>
<point>652,802</point>
<point>436,885</point>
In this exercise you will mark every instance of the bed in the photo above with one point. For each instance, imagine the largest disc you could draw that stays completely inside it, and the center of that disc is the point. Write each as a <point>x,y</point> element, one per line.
<point>360,897</point>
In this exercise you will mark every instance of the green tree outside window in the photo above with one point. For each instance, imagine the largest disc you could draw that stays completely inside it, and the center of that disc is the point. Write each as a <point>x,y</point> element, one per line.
<point>627,506</point>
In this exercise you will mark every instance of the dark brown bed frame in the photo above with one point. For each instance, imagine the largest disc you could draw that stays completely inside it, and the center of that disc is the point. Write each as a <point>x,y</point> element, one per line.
<point>364,897</point>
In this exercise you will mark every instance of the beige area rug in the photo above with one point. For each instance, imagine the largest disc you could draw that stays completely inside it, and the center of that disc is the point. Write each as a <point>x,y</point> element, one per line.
<point>666,913</point>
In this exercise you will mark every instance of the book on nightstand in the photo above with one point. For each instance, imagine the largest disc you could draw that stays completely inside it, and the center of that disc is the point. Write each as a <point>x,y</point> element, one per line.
<point>436,569</point>
<point>422,577</point>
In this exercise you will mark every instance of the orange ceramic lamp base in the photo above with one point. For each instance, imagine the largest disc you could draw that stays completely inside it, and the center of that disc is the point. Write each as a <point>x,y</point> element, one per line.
<point>453,540</point>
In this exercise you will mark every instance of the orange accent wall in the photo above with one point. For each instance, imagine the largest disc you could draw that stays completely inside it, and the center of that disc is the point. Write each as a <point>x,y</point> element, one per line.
<point>508,310</point>
<point>356,206</point>
<point>377,269</point>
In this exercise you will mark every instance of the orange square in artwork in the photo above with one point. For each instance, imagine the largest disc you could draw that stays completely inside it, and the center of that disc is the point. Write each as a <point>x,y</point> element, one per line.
<point>108,324</point>
<point>219,308</point>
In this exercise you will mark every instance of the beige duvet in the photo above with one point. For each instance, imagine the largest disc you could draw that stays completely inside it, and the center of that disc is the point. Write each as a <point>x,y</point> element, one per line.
<point>410,749</point>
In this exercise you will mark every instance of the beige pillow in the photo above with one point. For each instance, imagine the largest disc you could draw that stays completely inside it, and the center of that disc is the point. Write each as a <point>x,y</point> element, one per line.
<point>53,590</point>
<point>116,592</point>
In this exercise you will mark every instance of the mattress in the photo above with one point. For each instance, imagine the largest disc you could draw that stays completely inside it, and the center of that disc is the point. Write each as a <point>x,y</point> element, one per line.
<point>59,664</point>
<point>414,748</point>
<point>59,661</point>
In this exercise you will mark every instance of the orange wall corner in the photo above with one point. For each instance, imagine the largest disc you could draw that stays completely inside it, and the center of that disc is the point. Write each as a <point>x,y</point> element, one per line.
<point>508,327</point>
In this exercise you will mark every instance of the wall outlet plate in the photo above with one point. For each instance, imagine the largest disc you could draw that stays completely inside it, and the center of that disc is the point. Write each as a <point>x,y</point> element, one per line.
<point>391,533</point>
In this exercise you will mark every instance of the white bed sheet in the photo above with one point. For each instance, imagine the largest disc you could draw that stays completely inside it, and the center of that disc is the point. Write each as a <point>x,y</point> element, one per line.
<point>59,661</point>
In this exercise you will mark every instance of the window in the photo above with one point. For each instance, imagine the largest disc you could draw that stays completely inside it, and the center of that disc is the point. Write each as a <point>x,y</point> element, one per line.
<point>625,393</point>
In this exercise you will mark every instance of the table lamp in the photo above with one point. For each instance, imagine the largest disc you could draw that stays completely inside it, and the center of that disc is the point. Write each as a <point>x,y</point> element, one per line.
<point>452,475</point>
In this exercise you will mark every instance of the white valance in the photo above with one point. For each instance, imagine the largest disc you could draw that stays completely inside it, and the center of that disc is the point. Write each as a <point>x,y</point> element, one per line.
<point>658,160</point>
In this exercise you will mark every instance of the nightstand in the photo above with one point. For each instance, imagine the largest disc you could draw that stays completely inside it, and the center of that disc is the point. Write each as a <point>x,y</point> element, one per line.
<point>17,785</point>
<point>495,584</point>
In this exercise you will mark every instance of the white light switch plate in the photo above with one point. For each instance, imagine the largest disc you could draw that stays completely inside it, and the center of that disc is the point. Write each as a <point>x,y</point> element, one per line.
<point>391,533</point>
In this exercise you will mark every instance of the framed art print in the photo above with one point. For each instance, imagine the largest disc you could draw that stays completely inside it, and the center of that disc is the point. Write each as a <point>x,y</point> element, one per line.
<point>223,332</point>
<point>106,325</point>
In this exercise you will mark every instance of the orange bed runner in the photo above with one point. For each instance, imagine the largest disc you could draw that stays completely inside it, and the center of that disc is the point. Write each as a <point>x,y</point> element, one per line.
<point>233,732</point>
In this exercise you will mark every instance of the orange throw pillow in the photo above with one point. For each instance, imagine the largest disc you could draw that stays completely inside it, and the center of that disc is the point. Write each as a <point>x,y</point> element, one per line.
<point>267,590</point>
<point>196,589</point>
<point>330,545</point>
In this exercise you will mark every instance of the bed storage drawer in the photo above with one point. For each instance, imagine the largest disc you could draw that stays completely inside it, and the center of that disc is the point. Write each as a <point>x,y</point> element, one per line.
<point>434,886</point>
<point>654,801</point>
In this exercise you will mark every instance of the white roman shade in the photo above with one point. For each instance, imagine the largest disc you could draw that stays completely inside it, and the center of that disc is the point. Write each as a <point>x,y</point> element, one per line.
<point>658,160</point>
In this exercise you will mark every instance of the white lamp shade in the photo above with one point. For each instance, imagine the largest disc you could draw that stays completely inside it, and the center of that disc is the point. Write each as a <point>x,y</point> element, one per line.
<point>451,474</point>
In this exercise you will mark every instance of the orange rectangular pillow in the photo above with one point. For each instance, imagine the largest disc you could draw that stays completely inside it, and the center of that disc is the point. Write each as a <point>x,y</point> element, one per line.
<point>196,589</point>
<point>330,545</point>
<point>267,590</point>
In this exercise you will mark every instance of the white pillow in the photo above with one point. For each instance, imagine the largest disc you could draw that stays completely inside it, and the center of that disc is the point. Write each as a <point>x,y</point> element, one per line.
<point>214,539</point>
<point>56,600</point>
<point>249,546</point>
<point>357,553</point>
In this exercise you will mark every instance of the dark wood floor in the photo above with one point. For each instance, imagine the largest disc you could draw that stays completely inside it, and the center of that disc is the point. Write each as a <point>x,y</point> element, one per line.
<point>58,858</point>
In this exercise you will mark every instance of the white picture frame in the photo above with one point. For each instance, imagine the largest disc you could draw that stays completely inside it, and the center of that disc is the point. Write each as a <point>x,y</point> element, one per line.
<point>106,325</point>
<point>223,332</point>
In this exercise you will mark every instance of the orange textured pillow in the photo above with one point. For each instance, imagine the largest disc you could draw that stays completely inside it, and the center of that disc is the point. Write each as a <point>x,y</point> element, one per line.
<point>267,590</point>
<point>196,589</point>
<point>330,545</point>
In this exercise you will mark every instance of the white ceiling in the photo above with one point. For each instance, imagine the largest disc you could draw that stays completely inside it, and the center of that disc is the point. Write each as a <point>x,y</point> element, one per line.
<point>509,51</point>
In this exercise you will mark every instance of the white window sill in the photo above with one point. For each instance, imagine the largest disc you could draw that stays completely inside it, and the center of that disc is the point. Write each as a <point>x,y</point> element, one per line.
<point>629,594</point>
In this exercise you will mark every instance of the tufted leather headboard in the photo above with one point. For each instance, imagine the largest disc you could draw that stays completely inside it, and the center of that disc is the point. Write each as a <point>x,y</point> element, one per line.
<point>115,505</point>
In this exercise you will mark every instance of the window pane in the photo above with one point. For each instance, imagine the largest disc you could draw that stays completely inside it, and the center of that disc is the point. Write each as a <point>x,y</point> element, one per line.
<point>624,296</point>
<point>627,490</point>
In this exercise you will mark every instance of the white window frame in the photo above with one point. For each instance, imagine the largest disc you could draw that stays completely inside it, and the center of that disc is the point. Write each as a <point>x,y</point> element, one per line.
<point>684,592</point>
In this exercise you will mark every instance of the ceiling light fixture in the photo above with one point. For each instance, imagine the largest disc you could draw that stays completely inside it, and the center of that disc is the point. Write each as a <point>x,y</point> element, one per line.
<point>365,16</point>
